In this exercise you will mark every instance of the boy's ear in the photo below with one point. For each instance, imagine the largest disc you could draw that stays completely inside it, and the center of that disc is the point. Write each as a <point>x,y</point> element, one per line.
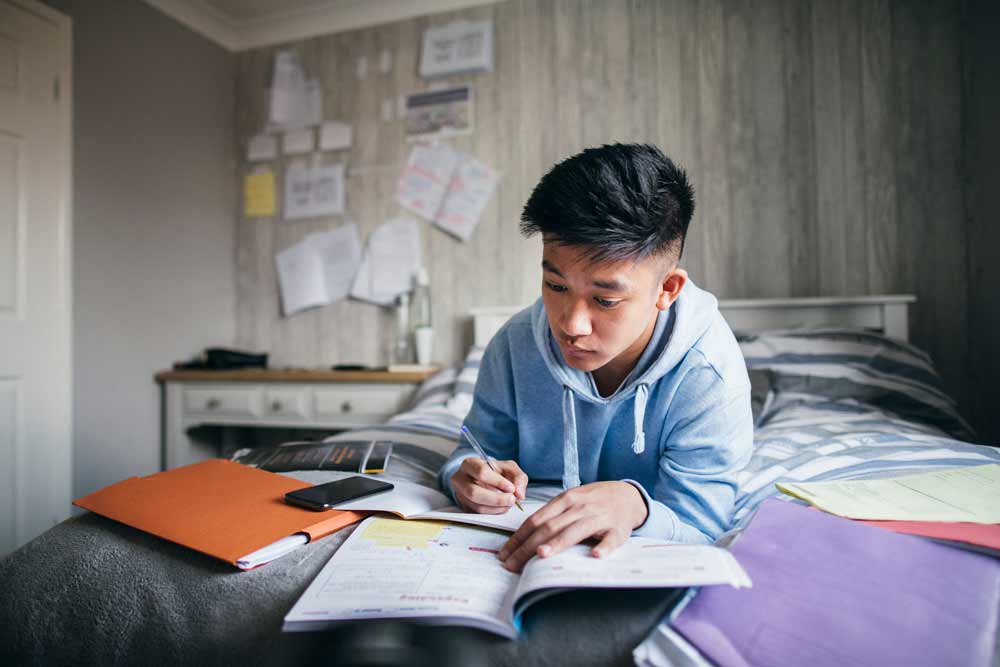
<point>671,287</point>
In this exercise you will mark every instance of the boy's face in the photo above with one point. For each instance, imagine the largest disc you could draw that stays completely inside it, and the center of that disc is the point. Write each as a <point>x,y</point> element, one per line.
<point>603,314</point>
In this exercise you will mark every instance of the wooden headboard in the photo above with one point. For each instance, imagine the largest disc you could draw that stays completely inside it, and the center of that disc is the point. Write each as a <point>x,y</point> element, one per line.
<point>888,314</point>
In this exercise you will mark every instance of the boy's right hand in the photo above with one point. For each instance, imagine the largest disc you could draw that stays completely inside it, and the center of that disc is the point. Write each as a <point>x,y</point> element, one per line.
<point>484,491</point>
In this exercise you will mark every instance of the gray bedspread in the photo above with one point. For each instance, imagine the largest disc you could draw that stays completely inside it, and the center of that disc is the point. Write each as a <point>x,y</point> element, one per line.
<point>92,591</point>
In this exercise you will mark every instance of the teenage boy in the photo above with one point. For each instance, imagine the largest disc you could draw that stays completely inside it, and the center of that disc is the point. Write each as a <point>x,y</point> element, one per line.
<point>623,380</point>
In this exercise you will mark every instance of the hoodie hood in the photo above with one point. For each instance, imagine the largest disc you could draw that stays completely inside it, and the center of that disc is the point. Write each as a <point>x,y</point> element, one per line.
<point>676,331</point>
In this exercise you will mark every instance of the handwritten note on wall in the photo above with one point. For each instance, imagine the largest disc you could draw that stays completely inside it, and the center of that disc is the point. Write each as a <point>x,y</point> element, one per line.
<point>446,187</point>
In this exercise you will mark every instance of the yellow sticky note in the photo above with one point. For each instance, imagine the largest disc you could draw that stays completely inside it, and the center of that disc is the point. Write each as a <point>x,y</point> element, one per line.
<point>399,533</point>
<point>258,194</point>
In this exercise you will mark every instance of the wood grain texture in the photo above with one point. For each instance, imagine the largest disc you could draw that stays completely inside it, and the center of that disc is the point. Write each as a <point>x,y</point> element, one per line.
<point>824,140</point>
<point>981,134</point>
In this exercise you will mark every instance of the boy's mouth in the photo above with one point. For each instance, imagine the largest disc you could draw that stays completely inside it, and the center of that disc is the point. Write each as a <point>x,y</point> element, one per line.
<point>575,351</point>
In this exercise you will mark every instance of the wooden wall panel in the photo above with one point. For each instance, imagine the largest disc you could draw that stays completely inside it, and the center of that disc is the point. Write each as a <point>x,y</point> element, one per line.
<point>824,140</point>
<point>981,101</point>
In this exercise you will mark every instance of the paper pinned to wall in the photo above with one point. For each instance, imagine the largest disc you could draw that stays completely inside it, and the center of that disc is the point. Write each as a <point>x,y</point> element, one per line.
<point>258,194</point>
<point>319,269</point>
<point>459,46</point>
<point>334,136</point>
<point>446,187</point>
<point>298,142</point>
<point>469,191</point>
<point>262,147</point>
<point>339,251</point>
<point>443,112</point>
<point>295,101</point>
<point>300,278</point>
<point>288,79</point>
<point>314,191</point>
<point>391,257</point>
<point>425,179</point>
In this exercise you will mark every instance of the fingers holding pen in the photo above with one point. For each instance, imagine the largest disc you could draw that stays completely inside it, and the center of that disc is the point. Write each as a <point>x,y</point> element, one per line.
<point>512,472</point>
<point>481,489</point>
<point>480,471</point>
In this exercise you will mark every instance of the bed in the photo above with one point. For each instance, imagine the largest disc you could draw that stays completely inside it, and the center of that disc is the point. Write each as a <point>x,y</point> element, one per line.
<point>838,394</point>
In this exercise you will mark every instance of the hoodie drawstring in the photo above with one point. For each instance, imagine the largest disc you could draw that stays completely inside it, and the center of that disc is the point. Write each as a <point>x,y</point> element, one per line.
<point>641,396</point>
<point>571,456</point>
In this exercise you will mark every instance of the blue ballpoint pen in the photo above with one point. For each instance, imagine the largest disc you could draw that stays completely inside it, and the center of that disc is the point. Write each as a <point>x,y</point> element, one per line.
<point>479,450</point>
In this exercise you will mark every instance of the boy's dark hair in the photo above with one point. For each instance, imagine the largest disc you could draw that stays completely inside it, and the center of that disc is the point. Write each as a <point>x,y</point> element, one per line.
<point>622,201</point>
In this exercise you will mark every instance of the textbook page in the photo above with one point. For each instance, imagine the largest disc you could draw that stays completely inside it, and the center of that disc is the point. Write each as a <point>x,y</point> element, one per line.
<point>430,570</point>
<point>416,501</point>
<point>509,521</point>
<point>444,573</point>
<point>639,563</point>
<point>970,494</point>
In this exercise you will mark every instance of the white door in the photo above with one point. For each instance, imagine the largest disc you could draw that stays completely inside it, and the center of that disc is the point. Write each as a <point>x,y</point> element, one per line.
<point>35,298</point>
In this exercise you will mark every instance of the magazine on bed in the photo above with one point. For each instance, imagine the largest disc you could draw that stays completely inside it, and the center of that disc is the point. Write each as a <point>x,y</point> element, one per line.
<point>442,573</point>
<point>361,456</point>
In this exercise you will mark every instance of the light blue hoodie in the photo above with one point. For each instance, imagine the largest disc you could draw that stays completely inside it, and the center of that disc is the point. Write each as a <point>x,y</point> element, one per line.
<point>679,427</point>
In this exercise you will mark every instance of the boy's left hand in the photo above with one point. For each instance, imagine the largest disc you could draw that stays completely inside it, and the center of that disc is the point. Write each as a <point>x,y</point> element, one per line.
<point>609,510</point>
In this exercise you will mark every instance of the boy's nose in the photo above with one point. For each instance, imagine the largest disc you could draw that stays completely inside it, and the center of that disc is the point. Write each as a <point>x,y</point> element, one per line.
<point>576,320</point>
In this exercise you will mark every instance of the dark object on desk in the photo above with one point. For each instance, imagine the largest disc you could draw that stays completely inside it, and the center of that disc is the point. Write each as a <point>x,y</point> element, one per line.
<point>324,497</point>
<point>360,367</point>
<point>363,456</point>
<point>220,358</point>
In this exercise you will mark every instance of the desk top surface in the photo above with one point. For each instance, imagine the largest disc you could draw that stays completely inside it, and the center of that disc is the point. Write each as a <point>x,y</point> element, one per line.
<point>290,375</point>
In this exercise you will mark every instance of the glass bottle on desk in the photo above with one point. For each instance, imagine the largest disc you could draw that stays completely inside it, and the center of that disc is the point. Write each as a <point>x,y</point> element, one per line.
<point>420,317</point>
<point>402,350</point>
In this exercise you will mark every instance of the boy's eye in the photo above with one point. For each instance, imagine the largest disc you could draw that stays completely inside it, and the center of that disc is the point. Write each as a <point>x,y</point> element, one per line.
<point>606,303</point>
<point>554,287</point>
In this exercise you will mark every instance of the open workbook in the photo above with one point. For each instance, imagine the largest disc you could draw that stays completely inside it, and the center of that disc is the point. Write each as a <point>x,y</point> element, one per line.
<point>443,573</point>
<point>409,500</point>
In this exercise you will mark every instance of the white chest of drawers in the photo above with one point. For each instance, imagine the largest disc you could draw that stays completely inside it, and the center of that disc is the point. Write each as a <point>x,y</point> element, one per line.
<point>285,398</point>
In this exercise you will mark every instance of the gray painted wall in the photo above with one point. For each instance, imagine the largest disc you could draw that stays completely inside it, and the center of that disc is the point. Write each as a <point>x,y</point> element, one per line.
<point>981,53</point>
<point>154,226</point>
<point>825,141</point>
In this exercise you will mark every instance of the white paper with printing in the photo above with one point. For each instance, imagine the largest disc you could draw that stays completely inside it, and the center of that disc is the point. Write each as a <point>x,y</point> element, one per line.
<point>445,573</point>
<point>319,269</point>
<point>314,191</point>
<point>392,255</point>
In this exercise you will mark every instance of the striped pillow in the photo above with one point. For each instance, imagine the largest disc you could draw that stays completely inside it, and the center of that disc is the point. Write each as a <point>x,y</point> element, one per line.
<point>435,390</point>
<point>451,388</point>
<point>467,374</point>
<point>856,364</point>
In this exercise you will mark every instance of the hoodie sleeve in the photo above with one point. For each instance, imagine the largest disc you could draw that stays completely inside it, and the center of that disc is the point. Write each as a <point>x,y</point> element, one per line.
<point>492,417</point>
<point>705,447</point>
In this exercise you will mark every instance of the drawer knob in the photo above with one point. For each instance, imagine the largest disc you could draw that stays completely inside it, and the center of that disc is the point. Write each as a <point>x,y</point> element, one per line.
<point>346,406</point>
<point>212,404</point>
<point>276,406</point>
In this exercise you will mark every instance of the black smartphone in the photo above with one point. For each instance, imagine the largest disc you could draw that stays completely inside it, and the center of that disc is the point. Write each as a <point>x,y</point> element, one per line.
<point>326,496</point>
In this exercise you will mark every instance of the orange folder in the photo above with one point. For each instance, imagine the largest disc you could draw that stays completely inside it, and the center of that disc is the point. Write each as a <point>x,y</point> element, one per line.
<point>224,509</point>
<point>978,534</point>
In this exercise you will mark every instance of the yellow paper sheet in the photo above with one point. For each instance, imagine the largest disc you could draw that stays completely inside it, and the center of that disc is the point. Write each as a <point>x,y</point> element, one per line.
<point>258,194</point>
<point>399,533</point>
<point>954,494</point>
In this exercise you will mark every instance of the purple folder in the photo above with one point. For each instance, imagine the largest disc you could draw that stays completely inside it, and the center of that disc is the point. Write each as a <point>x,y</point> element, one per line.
<point>830,591</point>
